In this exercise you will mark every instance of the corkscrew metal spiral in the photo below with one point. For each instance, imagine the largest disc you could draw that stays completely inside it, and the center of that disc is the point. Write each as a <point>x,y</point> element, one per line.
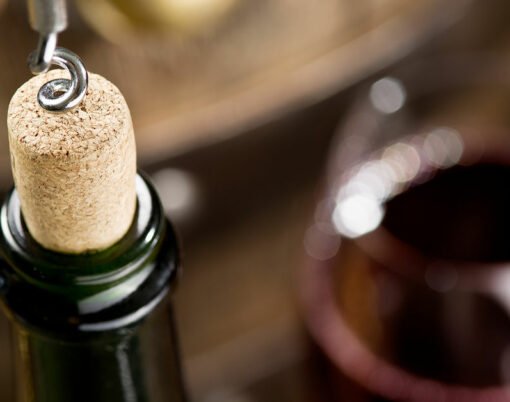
<point>49,17</point>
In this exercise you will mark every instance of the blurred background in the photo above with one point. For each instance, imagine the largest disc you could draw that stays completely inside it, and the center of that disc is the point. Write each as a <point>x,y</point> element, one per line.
<point>235,106</point>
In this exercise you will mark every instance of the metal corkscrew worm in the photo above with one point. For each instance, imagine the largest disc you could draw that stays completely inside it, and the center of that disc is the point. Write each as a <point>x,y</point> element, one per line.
<point>49,17</point>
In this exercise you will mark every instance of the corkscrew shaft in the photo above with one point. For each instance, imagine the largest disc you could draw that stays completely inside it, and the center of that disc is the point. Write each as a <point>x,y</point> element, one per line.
<point>48,17</point>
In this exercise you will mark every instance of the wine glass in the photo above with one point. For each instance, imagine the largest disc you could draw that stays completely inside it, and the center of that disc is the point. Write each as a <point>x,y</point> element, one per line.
<point>406,289</point>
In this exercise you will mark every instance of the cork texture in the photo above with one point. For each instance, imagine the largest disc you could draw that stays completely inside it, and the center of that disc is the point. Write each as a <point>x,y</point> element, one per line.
<point>74,171</point>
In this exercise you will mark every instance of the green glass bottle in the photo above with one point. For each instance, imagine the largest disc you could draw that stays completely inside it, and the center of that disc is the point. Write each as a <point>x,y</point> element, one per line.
<point>94,327</point>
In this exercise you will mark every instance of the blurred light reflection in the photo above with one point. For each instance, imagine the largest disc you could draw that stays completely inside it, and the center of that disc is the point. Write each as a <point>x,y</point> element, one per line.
<point>178,191</point>
<point>357,214</point>
<point>388,95</point>
<point>321,241</point>
<point>373,178</point>
<point>360,200</point>
<point>443,147</point>
<point>404,161</point>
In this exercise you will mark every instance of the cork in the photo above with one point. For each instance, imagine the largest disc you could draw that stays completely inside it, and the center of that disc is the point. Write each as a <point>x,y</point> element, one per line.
<point>74,171</point>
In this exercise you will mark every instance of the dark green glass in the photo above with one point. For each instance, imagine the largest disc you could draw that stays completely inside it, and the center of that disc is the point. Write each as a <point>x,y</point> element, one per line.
<point>94,327</point>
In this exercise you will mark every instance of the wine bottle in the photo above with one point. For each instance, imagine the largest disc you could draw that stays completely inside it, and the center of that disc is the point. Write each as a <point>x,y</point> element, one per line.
<point>94,326</point>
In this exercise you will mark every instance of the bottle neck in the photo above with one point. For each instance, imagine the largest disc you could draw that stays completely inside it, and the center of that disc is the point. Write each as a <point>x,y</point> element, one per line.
<point>84,322</point>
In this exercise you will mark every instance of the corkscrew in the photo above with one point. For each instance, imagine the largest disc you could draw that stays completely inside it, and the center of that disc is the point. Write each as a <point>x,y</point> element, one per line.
<point>49,18</point>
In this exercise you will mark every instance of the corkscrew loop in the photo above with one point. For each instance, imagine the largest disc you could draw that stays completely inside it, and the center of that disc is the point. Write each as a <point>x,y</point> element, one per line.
<point>49,17</point>
<point>62,94</point>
